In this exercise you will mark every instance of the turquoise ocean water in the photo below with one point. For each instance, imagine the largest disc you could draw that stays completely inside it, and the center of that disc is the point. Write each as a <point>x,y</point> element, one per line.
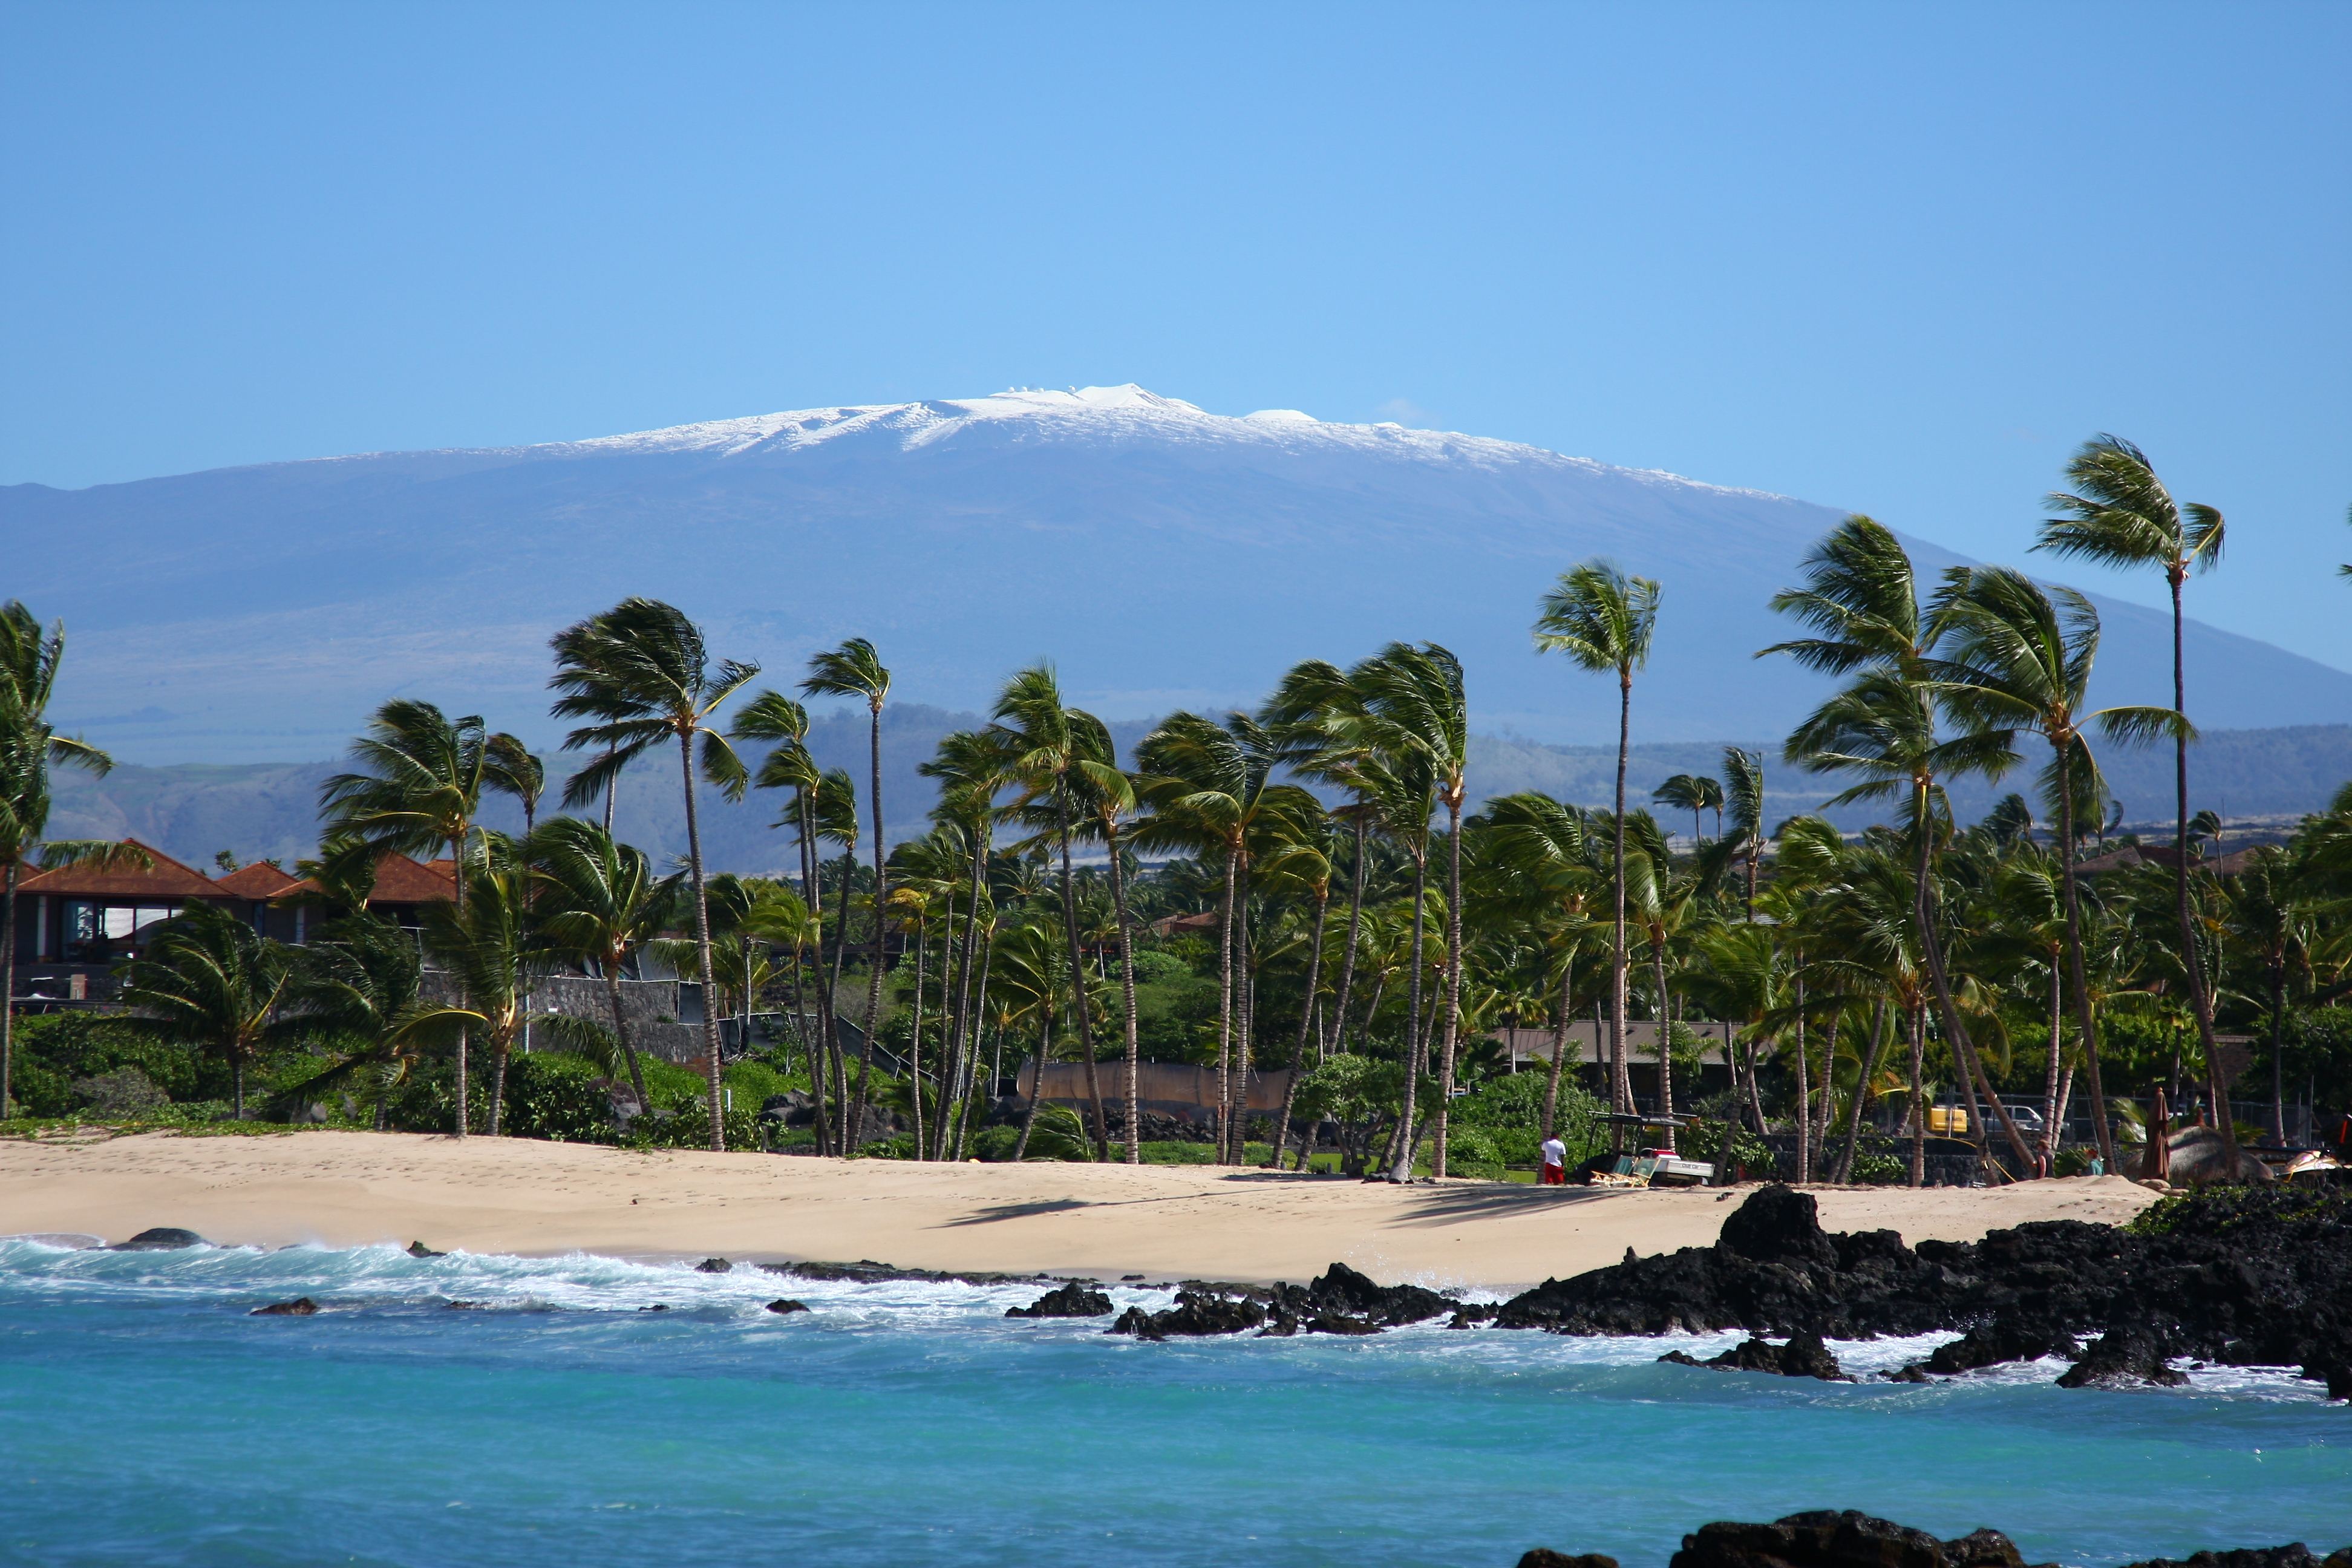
<point>144,1417</point>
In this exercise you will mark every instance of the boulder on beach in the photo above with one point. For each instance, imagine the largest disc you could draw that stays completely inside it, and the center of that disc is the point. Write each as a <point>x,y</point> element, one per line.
<point>2197,1157</point>
<point>162,1239</point>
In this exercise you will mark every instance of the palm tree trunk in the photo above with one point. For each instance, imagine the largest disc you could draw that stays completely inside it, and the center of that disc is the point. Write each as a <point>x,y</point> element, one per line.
<point>821,1050</point>
<point>1225,1011</point>
<point>1306,1024</point>
<point>1407,1133</point>
<point>1037,1080</point>
<point>1355,935</point>
<point>1931,948</point>
<point>1126,988</point>
<point>2192,962</point>
<point>967,1019</point>
<point>2084,1020</point>
<point>702,943</point>
<point>1558,1041</point>
<point>1878,1032</point>
<point>1918,1107</point>
<point>457,898</point>
<point>1804,1095</point>
<point>1078,1008</point>
<point>1244,1030</point>
<point>236,1084</point>
<point>873,980</point>
<point>2057,1047</point>
<point>839,1065</point>
<point>621,1032</point>
<point>914,1037</point>
<point>8,982</point>
<point>1666,1045</point>
<point>1621,1088</point>
<point>1452,970</point>
<point>1824,1111</point>
<point>2278,1053</point>
<point>497,1084</point>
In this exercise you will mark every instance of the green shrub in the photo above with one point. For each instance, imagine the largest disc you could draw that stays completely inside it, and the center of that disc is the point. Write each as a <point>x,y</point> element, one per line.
<point>53,1050</point>
<point>557,1095</point>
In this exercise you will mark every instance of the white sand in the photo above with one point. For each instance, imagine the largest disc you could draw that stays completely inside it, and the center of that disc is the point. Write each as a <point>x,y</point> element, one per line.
<point>512,1196</point>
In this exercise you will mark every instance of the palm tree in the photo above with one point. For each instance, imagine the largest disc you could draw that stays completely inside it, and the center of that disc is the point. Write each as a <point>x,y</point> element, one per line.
<point>2269,917</point>
<point>970,769</point>
<point>1743,792</point>
<point>30,658</point>
<point>641,673</point>
<point>1212,790</point>
<point>355,988</point>
<point>209,980</point>
<point>485,942</point>
<point>853,669</point>
<point>1604,620</point>
<point>1693,792</point>
<point>1317,717</point>
<point>2021,659</point>
<point>1303,865</point>
<point>418,790</point>
<point>1107,797</point>
<point>599,902</point>
<point>511,769</point>
<point>1414,696</point>
<point>2120,514</point>
<point>1544,846</point>
<point>1046,744</point>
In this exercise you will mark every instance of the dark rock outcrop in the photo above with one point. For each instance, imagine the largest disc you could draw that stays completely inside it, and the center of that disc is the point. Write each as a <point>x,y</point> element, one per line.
<point>866,1271</point>
<point>2295,1554</point>
<point>2123,1358</point>
<point>2240,1276</point>
<point>713,1265</point>
<point>162,1239</point>
<point>1848,1539</point>
<point>785,1305</point>
<point>1545,1557</point>
<point>299,1307</point>
<point>1195,1313</point>
<point>1803,1356</point>
<point>1072,1301</point>
<point>418,1249</point>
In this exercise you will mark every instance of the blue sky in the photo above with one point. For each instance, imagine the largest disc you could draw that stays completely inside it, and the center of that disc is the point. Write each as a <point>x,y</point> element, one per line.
<point>1895,258</point>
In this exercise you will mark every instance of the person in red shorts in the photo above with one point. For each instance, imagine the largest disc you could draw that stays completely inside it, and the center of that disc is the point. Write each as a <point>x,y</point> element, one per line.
<point>1555,1163</point>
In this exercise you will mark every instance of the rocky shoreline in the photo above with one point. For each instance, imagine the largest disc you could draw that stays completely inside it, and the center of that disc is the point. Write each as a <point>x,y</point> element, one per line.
<point>2236,1276</point>
<point>1823,1539</point>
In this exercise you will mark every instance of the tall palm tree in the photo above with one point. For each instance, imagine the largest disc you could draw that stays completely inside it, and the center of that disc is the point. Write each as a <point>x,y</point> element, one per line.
<point>1414,696</point>
<point>208,979</point>
<point>30,658</point>
<point>416,790</point>
<point>1603,621</point>
<point>511,769</point>
<point>2021,659</point>
<point>1047,746</point>
<point>2120,514</point>
<point>599,902</point>
<point>640,675</point>
<point>1107,798</point>
<point>854,670</point>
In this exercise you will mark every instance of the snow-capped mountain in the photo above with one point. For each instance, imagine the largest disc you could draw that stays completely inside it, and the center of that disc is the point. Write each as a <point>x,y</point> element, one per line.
<point>1160,555</point>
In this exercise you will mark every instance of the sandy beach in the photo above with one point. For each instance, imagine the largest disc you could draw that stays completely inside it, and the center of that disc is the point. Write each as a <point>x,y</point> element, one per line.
<point>533,1198</point>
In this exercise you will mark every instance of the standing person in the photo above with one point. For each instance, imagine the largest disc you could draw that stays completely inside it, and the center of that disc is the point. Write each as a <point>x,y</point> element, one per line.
<point>1555,1163</point>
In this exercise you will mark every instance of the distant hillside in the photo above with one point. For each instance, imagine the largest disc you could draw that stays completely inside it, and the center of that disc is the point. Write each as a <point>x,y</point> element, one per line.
<point>268,810</point>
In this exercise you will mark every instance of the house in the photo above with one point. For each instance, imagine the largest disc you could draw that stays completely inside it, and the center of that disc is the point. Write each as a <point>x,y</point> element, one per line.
<point>75,922</point>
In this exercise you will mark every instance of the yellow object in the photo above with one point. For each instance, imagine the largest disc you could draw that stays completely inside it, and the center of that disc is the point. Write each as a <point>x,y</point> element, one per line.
<point>1947,1119</point>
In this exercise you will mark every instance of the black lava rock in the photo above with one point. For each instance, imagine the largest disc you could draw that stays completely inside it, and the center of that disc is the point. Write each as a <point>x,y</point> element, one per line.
<point>1196,1313</point>
<point>418,1249</point>
<point>787,1305</point>
<point>2294,1555</point>
<point>2237,1276</point>
<point>1072,1301</point>
<point>1545,1557</point>
<point>299,1307</point>
<point>1848,1539</point>
<point>162,1239</point>
<point>1803,1356</point>
<point>2123,1358</point>
<point>713,1265</point>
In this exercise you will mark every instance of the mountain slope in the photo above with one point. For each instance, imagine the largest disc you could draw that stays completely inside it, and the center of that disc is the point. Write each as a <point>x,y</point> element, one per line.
<point>1162,556</point>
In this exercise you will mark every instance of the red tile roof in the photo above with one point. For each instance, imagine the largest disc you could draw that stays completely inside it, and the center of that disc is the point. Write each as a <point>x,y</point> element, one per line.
<point>259,880</point>
<point>398,880</point>
<point>165,882</point>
